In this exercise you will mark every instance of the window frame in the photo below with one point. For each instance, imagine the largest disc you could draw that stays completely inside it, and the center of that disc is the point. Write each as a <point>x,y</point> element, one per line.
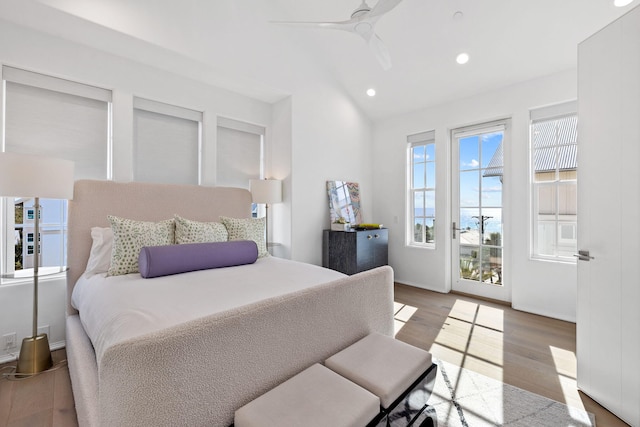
<point>555,218</point>
<point>422,139</point>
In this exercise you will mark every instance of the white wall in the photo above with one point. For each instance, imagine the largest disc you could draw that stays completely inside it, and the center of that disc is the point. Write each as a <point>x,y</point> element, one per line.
<point>333,142</point>
<point>279,163</point>
<point>536,286</point>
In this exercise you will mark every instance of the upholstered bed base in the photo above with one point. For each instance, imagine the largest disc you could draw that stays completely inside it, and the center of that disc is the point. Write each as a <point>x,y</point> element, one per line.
<point>83,370</point>
<point>199,373</point>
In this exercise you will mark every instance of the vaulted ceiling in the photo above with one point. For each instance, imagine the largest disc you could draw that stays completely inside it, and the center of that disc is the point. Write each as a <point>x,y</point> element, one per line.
<point>232,43</point>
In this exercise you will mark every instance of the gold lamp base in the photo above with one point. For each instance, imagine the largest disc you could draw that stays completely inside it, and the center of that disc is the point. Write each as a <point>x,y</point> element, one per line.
<point>35,355</point>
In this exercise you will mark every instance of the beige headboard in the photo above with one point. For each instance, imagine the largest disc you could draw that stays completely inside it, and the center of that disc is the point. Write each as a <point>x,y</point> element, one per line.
<point>94,200</point>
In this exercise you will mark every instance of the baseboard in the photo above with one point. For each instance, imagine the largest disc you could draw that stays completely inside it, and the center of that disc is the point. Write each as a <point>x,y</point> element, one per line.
<point>545,313</point>
<point>12,357</point>
<point>420,286</point>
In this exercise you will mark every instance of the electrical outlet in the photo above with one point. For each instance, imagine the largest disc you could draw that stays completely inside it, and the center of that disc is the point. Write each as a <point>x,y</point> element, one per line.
<point>9,340</point>
<point>44,329</point>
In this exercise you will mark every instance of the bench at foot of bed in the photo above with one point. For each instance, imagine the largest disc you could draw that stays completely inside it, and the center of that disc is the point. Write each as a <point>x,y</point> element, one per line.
<point>378,381</point>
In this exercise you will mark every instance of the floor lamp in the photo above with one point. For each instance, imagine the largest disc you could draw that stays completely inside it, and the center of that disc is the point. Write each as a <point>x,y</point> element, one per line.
<point>266,191</point>
<point>35,177</point>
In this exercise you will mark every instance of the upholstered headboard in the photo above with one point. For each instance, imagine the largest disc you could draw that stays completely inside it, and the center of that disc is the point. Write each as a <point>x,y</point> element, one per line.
<point>94,200</point>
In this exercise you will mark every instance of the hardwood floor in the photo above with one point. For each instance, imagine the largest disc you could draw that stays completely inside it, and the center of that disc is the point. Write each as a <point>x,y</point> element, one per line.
<point>43,400</point>
<point>532,352</point>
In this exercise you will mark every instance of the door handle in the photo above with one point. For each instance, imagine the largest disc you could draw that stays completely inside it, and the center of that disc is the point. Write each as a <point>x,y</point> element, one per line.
<point>583,255</point>
<point>454,229</point>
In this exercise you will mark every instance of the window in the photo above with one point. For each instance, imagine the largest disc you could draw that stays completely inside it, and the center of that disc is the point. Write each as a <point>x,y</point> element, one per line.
<point>422,189</point>
<point>240,155</point>
<point>554,148</point>
<point>167,141</point>
<point>51,117</point>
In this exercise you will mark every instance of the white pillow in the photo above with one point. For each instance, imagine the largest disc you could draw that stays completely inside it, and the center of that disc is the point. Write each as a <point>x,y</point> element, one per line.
<point>100,255</point>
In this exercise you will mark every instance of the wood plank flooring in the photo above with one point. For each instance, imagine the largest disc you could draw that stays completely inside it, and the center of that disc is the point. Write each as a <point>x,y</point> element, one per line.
<point>43,400</point>
<point>532,352</point>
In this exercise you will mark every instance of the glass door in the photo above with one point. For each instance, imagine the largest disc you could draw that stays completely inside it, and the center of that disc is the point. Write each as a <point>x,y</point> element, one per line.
<point>477,217</point>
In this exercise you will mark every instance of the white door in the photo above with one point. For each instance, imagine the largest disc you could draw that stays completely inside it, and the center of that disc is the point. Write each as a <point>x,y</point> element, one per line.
<point>477,212</point>
<point>608,313</point>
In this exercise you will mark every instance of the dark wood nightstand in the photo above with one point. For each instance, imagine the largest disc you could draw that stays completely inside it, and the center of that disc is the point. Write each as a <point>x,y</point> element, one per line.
<point>351,252</point>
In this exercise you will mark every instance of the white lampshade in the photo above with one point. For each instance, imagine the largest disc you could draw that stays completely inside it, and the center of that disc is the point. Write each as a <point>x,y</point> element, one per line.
<point>33,176</point>
<point>266,190</point>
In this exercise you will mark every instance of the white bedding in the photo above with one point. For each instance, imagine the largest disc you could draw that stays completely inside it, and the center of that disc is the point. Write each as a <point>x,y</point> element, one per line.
<point>114,309</point>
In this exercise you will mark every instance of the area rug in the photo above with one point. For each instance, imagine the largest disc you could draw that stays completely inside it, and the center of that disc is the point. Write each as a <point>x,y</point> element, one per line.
<point>463,398</point>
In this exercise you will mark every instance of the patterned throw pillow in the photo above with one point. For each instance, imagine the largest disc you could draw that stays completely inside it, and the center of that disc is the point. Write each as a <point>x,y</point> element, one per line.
<point>188,231</point>
<point>247,229</point>
<point>130,236</point>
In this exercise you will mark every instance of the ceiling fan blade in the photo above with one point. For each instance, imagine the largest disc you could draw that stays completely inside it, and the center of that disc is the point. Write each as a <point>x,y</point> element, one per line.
<point>382,7</point>
<point>343,25</point>
<point>380,51</point>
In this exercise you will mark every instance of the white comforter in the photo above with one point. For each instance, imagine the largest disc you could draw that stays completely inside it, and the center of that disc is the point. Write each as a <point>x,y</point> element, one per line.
<point>114,309</point>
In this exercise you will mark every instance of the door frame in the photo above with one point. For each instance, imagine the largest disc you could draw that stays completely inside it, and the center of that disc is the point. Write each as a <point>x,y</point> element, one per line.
<point>503,292</point>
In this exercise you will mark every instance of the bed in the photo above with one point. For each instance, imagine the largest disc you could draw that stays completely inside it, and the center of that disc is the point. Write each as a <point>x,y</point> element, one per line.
<point>199,369</point>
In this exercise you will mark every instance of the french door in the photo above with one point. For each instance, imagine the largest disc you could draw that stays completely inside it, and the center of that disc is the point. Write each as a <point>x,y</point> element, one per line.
<point>477,213</point>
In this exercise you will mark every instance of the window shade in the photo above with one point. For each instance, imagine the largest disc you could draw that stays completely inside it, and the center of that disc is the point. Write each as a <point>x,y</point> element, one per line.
<point>42,81</point>
<point>422,137</point>
<point>239,154</point>
<point>553,111</point>
<point>54,124</point>
<point>477,129</point>
<point>166,143</point>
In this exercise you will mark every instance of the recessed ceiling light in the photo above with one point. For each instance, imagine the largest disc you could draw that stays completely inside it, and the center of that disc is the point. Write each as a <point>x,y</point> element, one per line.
<point>371,92</point>
<point>462,58</point>
<point>621,3</point>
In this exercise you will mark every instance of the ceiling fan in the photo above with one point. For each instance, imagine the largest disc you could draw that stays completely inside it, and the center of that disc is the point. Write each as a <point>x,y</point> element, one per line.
<point>362,22</point>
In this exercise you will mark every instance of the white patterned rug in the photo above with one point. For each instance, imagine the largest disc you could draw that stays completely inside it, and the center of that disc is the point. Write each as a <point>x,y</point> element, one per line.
<point>464,398</point>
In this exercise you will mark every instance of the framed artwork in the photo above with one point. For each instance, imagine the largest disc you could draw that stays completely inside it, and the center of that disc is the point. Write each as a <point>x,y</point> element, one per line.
<point>344,201</point>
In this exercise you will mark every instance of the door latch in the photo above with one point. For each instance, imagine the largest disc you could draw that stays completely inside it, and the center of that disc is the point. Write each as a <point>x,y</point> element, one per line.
<point>583,255</point>
<point>454,229</point>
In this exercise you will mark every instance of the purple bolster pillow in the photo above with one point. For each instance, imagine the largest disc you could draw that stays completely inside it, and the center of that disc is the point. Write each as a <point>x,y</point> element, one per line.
<point>155,261</point>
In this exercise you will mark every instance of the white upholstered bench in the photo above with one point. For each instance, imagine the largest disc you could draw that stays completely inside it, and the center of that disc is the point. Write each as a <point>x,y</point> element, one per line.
<point>378,381</point>
<point>401,375</point>
<point>316,397</point>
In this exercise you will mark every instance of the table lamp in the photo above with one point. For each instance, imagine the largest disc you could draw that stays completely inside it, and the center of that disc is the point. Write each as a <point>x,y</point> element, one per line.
<point>266,191</point>
<point>34,177</point>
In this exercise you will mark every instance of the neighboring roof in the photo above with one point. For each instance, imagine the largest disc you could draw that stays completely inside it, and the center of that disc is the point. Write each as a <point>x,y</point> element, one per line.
<point>562,132</point>
<point>546,134</point>
<point>494,168</point>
